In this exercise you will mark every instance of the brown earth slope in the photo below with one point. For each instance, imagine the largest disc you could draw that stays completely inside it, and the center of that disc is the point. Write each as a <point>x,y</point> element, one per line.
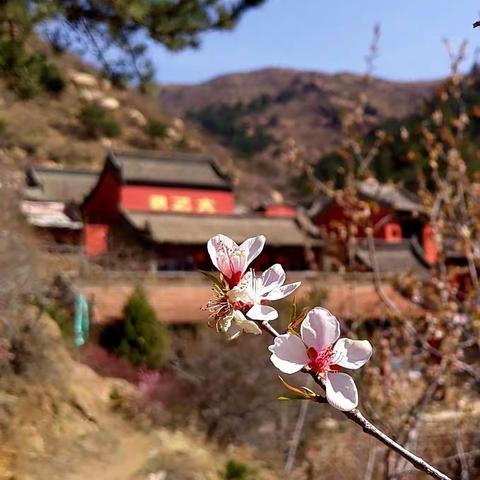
<point>48,128</point>
<point>286,104</point>
<point>307,104</point>
<point>279,103</point>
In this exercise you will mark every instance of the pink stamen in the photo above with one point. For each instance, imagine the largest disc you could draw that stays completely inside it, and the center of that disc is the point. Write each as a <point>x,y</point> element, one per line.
<point>323,361</point>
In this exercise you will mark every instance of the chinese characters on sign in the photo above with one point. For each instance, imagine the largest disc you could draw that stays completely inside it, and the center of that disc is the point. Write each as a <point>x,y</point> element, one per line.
<point>159,203</point>
<point>182,204</point>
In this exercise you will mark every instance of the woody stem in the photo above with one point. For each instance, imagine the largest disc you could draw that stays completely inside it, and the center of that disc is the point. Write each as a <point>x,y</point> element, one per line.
<point>356,416</point>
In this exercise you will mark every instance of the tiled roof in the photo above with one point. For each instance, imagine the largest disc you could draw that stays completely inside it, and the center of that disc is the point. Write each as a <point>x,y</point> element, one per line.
<point>393,195</point>
<point>392,258</point>
<point>48,215</point>
<point>58,185</point>
<point>198,229</point>
<point>165,168</point>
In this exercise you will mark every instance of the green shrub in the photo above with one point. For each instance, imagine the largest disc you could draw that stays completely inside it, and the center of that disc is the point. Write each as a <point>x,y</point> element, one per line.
<point>99,121</point>
<point>111,128</point>
<point>235,470</point>
<point>51,78</point>
<point>225,121</point>
<point>29,74</point>
<point>26,85</point>
<point>183,145</point>
<point>156,129</point>
<point>63,318</point>
<point>140,337</point>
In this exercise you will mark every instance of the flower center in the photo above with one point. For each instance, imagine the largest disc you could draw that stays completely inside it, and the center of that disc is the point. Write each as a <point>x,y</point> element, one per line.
<point>323,361</point>
<point>241,295</point>
<point>234,279</point>
<point>224,304</point>
<point>219,307</point>
<point>231,259</point>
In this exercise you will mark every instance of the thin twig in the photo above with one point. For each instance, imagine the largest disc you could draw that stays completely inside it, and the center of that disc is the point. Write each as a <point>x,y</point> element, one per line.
<point>372,457</point>
<point>463,460</point>
<point>466,455</point>
<point>370,429</point>
<point>297,436</point>
<point>356,416</point>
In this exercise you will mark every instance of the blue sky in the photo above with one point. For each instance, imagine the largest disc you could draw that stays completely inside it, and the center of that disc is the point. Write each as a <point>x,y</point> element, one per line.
<point>331,36</point>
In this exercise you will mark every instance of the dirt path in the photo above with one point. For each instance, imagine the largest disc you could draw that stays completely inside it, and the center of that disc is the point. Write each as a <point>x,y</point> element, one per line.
<point>123,460</point>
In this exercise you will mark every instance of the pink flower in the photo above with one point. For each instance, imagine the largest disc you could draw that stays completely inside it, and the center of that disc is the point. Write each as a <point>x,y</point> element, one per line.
<point>321,350</point>
<point>231,259</point>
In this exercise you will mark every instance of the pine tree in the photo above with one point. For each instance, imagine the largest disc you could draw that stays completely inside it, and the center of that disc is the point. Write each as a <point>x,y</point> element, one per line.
<point>116,31</point>
<point>139,337</point>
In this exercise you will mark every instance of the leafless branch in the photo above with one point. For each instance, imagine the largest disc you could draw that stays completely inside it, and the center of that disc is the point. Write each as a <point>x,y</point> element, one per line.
<point>356,416</point>
<point>296,438</point>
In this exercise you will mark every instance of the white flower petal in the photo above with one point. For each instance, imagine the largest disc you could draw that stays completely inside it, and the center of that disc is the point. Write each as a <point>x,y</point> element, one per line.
<point>282,292</point>
<point>219,244</point>
<point>245,325</point>
<point>225,323</point>
<point>263,313</point>
<point>352,353</point>
<point>341,391</point>
<point>252,247</point>
<point>320,329</point>
<point>271,278</point>
<point>233,332</point>
<point>288,353</point>
<point>221,250</point>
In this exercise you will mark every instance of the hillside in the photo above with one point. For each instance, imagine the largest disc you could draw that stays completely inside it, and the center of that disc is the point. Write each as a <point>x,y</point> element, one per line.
<point>237,118</point>
<point>254,113</point>
<point>61,420</point>
<point>76,124</point>
<point>450,119</point>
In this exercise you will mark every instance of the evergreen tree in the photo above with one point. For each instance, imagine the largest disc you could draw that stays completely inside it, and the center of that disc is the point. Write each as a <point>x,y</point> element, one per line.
<point>115,31</point>
<point>139,337</point>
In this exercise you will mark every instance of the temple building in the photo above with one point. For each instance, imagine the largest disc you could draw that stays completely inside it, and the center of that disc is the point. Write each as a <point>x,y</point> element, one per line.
<point>402,239</point>
<point>51,199</point>
<point>160,210</point>
<point>150,210</point>
<point>153,210</point>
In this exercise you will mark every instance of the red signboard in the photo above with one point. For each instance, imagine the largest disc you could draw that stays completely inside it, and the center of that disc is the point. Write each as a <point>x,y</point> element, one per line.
<point>176,200</point>
<point>280,211</point>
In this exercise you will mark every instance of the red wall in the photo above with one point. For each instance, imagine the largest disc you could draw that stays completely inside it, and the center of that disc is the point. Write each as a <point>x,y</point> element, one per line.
<point>180,200</point>
<point>429,245</point>
<point>334,215</point>
<point>96,239</point>
<point>102,206</point>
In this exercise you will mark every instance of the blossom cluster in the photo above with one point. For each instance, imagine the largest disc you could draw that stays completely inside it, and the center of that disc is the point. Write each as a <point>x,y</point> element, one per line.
<point>241,304</point>
<point>241,296</point>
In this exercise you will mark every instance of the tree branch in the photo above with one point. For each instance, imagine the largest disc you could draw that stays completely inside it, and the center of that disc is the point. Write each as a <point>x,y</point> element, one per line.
<point>356,416</point>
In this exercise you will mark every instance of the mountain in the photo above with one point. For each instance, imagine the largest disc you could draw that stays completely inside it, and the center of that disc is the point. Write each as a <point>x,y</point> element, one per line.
<point>257,114</point>
<point>245,120</point>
